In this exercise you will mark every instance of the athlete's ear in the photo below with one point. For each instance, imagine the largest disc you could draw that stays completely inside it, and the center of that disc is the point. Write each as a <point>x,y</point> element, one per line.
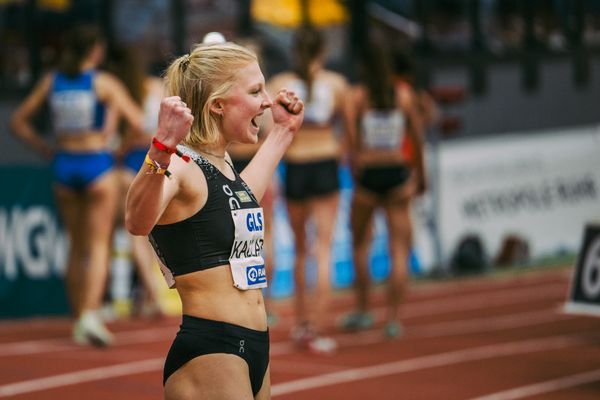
<point>217,107</point>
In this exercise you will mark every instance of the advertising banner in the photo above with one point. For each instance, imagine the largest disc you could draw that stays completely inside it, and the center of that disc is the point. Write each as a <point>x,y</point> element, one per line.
<point>542,186</point>
<point>32,245</point>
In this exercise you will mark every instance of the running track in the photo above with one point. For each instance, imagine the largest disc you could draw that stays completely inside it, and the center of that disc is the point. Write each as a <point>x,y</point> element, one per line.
<point>484,338</point>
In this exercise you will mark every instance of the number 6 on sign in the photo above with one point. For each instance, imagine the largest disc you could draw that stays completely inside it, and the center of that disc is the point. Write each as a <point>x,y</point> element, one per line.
<point>590,279</point>
<point>585,286</point>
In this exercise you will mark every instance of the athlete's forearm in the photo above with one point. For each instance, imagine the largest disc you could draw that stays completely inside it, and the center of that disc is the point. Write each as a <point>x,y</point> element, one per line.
<point>24,131</point>
<point>260,170</point>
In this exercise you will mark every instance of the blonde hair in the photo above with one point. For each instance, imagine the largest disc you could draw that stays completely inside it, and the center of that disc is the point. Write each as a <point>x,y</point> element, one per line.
<point>200,78</point>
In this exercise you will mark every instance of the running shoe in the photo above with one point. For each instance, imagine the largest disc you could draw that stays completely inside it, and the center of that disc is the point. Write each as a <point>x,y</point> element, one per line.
<point>393,329</point>
<point>90,330</point>
<point>322,345</point>
<point>357,321</point>
<point>306,338</point>
<point>302,334</point>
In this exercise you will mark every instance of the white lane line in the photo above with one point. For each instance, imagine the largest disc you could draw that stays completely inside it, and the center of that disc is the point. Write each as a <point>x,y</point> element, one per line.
<point>477,325</point>
<point>470,302</point>
<point>156,364</point>
<point>449,288</point>
<point>433,361</point>
<point>495,323</point>
<point>304,368</point>
<point>461,327</point>
<point>74,378</point>
<point>54,345</point>
<point>96,374</point>
<point>483,300</point>
<point>544,387</point>
<point>463,303</point>
<point>34,347</point>
<point>140,336</point>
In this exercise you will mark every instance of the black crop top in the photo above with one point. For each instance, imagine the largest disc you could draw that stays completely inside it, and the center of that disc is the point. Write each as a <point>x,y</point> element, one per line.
<point>203,240</point>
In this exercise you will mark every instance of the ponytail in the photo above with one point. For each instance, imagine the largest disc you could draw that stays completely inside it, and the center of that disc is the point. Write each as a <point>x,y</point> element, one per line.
<point>308,45</point>
<point>78,44</point>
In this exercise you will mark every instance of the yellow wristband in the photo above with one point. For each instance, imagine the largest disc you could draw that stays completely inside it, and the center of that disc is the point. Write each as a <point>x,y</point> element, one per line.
<point>155,167</point>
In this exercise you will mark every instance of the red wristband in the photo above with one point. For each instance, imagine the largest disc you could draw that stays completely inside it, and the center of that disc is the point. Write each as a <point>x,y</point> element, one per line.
<point>169,150</point>
<point>160,146</point>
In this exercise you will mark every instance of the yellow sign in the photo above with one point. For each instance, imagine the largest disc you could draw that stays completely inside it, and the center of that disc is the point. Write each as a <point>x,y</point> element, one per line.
<point>54,5</point>
<point>288,13</point>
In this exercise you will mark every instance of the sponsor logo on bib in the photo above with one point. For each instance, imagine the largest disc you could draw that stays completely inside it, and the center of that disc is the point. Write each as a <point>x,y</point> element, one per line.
<point>256,274</point>
<point>254,222</point>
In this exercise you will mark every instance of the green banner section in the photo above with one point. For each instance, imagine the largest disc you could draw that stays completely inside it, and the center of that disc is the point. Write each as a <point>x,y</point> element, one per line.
<point>33,246</point>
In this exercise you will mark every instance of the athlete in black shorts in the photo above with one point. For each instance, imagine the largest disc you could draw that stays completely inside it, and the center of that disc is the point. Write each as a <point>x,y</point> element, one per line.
<point>204,219</point>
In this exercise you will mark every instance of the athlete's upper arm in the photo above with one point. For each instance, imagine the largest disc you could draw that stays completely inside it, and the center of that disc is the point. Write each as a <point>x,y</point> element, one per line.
<point>150,198</point>
<point>35,99</point>
<point>111,90</point>
<point>342,89</point>
<point>409,104</point>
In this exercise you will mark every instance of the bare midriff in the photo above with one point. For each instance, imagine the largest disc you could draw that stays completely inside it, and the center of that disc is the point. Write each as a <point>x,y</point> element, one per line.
<point>82,141</point>
<point>210,294</point>
<point>313,144</point>
<point>373,157</point>
<point>139,141</point>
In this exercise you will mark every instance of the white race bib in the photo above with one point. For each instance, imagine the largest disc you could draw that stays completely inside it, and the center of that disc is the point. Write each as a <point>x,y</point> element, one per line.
<point>383,129</point>
<point>72,110</point>
<point>246,260</point>
<point>167,274</point>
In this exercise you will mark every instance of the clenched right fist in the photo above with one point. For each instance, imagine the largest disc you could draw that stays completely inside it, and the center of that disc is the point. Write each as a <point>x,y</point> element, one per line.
<point>174,121</point>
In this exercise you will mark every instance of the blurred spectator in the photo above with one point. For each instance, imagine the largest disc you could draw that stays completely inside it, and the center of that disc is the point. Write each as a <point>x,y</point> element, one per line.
<point>449,26</point>
<point>85,184</point>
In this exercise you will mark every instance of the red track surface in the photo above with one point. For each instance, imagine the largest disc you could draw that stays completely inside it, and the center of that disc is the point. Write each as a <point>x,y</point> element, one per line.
<point>486,338</point>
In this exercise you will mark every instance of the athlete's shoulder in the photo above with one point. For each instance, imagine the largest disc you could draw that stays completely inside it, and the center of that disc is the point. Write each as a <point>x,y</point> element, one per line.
<point>335,80</point>
<point>281,78</point>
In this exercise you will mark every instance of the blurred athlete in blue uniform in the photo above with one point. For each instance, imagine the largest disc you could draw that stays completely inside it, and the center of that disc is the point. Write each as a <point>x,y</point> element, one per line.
<point>85,186</point>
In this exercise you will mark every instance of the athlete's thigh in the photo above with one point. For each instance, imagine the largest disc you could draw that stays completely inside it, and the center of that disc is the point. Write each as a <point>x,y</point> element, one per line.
<point>265,390</point>
<point>70,205</point>
<point>403,193</point>
<point>298,216</point>
<point>399,222</point>
<point>101,203</point>
<point>324,209</point>
<point>362,207</point>
<point>210,377</point>
<point>105,186</point>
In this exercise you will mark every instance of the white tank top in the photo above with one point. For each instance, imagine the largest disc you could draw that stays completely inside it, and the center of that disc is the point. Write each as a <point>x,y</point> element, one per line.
<point>383,129</point>
<point>151,110</point>
<point>319,110</point>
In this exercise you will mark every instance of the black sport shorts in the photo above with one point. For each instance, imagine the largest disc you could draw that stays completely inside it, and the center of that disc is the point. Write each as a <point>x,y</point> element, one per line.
<point>382,179</point>
<point>199,336</point>
<point>311,179</point>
